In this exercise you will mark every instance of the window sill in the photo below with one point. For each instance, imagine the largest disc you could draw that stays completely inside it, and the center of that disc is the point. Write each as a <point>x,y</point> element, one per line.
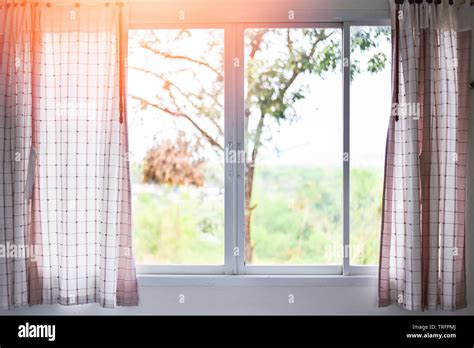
<point>152,280</point>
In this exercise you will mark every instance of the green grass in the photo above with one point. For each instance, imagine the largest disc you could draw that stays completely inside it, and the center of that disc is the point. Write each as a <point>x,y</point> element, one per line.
<point>297,219</point>
<point>298,216</point>
<point>175,227</point>
<point>366,212</point>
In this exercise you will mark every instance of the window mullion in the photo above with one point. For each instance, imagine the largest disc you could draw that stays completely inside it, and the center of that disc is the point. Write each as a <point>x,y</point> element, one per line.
<point>230,145</point>
<point>239,64</point>
<point>346,48</point>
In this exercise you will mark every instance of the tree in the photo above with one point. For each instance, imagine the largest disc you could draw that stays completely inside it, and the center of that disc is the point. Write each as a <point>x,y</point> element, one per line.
<point>271,88</point>
<point>175,163</point>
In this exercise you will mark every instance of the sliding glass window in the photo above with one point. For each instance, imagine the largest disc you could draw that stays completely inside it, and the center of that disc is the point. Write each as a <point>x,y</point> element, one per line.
<point>258,149</point>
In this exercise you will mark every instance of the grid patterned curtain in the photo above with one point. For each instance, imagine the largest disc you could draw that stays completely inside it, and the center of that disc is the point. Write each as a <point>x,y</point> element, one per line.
<point>422,261</point>
<point>65,215</point>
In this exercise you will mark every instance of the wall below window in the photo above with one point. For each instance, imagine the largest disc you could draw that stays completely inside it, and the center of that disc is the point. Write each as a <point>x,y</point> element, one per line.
<point>229,300</point>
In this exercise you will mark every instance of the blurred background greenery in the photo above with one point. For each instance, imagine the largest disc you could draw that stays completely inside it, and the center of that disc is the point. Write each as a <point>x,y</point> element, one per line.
<point>297,224</point>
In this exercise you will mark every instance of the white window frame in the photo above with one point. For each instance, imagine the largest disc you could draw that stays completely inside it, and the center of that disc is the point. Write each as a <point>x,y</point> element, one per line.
<point>243,268</point>
<point>145,15</point>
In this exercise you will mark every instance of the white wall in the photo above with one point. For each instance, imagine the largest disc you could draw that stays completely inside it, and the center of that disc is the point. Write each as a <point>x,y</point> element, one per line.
<point>359,298</point>
<point>226,300</point>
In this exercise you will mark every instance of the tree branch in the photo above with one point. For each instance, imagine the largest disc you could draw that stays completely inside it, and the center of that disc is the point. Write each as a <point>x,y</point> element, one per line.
<point>189,59</point>
<point>187,95</point>
<point>206,135</point>
<point>295,73</point>
<point>256,44</point>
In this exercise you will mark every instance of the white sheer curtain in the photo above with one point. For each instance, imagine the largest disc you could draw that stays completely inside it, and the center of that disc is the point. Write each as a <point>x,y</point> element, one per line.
<point>65,181</point>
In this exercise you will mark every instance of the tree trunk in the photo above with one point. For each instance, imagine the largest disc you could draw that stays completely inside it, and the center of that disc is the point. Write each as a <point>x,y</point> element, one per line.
<point>250,165</point>
<point>248,212</point>
<point>249,175</point>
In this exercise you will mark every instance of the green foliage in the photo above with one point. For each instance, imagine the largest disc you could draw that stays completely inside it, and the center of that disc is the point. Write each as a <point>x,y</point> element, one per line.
<point>307,51</point>
<point>377,62</point>
<point>366,212</point>
<point>270,78</point>
<point>297,219</point>
<point>369,39</point>
<point>174,226</point>
<point>298,216</point>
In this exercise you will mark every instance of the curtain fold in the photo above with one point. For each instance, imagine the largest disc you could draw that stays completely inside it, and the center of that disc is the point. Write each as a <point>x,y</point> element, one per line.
<point>65,181</point>
<point>422,261</point>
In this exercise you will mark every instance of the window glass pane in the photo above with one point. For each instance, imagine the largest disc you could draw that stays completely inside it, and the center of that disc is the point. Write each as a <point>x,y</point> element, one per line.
<point>370,111</point>
<point>293,141</point>
<point>176,124</point>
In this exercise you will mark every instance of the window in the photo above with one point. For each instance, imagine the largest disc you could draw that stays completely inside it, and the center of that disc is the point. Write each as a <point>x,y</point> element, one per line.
<point>177,145</point>
<point>370,109</point>
<point>293,137</point>
<point>248,156</point>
